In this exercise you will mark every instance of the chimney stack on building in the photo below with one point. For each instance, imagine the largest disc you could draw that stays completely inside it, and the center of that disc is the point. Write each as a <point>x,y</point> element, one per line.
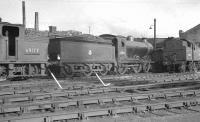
<point>36,21</point>
<point>0,19</point>
<point>23,14</point>
<point>52,29</point>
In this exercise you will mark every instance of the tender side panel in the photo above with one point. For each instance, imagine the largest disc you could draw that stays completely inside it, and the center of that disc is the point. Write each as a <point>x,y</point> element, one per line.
<point>175,49</point>
<point>86,52</point>
<point>180,54</point>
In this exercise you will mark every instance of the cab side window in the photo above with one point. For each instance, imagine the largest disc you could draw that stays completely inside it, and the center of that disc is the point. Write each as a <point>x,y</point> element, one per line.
<point>11,32</point>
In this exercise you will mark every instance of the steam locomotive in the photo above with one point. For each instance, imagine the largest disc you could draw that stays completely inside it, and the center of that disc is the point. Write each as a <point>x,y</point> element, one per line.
<point>177,55</point>
<point>26,52</point>
<point>87,54</point>
<point>23,52</point>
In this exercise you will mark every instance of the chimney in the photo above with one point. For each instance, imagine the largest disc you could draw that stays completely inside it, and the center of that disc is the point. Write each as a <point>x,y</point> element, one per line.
<point>23,14</point>
<point>181,33</point>
<point>36,21</point>
<point>52,29</point>
<point>0,19</point>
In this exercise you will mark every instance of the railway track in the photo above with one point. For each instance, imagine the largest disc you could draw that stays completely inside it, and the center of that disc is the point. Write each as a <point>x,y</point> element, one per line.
<point>92,82</point>
<point>82,104</point>
<point>30,95</point>
<point>134,95</point>
<point>43,90</point>
<point>78,109</point>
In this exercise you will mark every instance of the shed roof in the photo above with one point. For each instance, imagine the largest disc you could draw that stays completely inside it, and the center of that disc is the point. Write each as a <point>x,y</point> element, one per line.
<point>197,27</point>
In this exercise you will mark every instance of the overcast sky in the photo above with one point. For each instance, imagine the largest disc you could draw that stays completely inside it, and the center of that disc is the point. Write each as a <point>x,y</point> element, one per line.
<point>123,17</point>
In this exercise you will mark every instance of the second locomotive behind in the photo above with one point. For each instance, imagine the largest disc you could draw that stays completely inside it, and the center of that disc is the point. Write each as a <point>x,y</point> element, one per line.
<point>87,54</point>
<point>177,55</point>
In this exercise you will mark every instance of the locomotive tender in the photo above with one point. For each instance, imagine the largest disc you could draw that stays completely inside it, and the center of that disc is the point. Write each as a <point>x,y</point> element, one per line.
<point>87,54</point>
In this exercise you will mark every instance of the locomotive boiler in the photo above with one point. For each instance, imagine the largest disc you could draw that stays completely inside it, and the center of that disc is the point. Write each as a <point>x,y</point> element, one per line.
<point>131,56</point>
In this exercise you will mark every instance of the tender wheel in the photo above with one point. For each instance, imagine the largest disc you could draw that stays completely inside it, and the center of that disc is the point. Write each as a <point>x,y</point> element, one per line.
<point>3,74</point>
<point>192,67</point>
<point>198,66</point>
<point>195,67</point>
<point>34,70</point>
<point>182,67</point>
<point>122,70</point>
<point>137,68</point>
<point>104,70</point>
<point>113,70</point>
<point>168,68</point>
<point>88,71</point>
<point>26,70</point>
<point>146,67</point>
<point>68,70</point>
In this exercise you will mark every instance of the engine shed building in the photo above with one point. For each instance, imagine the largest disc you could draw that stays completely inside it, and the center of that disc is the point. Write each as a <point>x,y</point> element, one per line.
<point>192,34</point>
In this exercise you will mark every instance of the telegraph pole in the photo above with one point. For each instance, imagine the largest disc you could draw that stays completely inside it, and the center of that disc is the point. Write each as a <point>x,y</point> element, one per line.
<point>89,29</point>
<point>23,14</point>
<point>154,33</point>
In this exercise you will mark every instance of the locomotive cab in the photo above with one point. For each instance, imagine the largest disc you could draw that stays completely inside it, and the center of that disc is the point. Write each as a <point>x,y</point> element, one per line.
<point>21,55</point>
<point>11,34</point>
<point>9,41</point>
